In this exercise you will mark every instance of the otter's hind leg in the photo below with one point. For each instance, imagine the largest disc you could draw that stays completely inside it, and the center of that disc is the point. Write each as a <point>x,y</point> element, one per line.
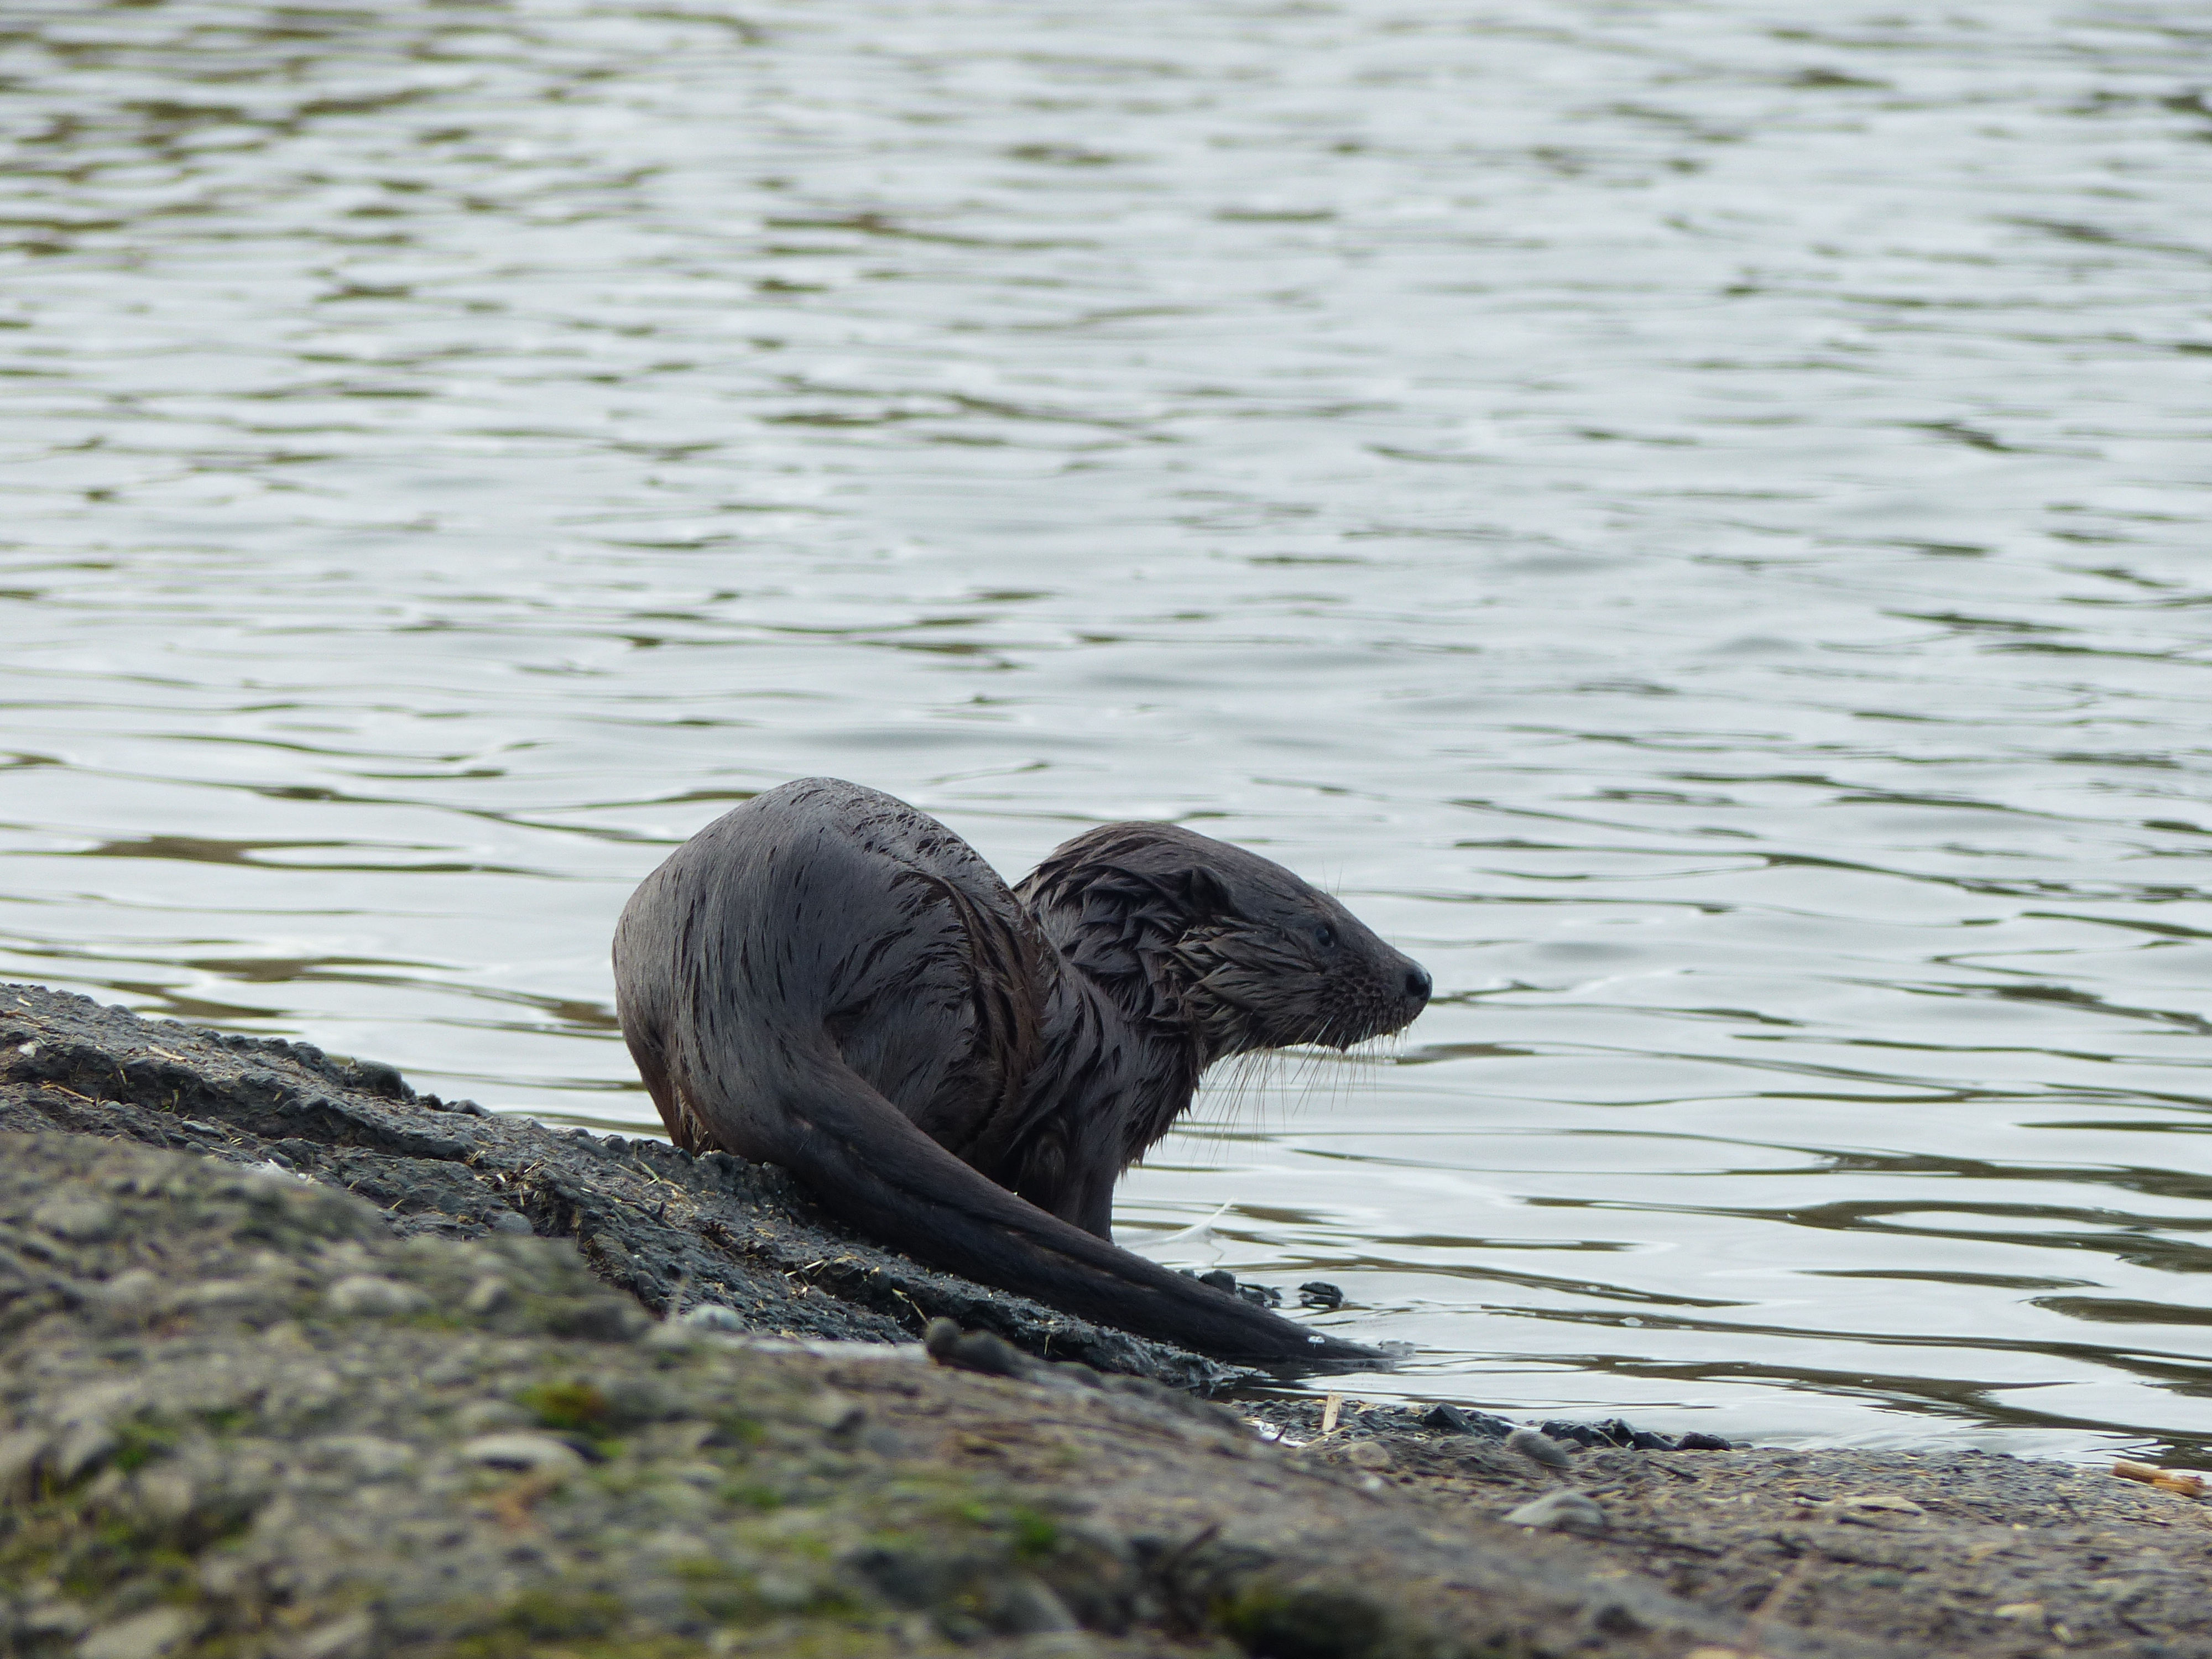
<point>683,1125</point>
<point>636,1009</point>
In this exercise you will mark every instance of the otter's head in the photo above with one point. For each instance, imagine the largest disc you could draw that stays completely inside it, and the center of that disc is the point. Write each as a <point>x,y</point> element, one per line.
<point>1182,928</point>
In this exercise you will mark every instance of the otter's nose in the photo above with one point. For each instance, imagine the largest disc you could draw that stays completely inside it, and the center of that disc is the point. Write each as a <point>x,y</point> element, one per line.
<point>1418,985</point>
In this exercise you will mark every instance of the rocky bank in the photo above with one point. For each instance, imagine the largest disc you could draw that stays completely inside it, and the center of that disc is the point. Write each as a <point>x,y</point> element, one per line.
<point>295,1362</point>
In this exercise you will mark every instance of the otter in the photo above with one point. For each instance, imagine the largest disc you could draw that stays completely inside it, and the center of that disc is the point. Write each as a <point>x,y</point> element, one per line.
<point>828,980</point>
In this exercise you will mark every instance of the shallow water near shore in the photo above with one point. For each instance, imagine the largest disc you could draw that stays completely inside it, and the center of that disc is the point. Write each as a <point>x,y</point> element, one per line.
<point>1693,522</point>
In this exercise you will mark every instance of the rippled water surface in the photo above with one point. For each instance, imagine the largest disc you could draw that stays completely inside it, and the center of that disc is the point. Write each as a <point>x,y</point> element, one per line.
<point>1692,517</point>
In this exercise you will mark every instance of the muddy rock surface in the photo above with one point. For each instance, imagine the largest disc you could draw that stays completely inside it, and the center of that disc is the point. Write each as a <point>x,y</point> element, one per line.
<point>244,1411</point>
<point>1951,1551</point>
<point>682,1235</point>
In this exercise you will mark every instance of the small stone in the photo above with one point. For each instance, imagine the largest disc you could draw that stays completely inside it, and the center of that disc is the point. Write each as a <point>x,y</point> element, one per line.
<point>597,1318</point>
<point>342,1639</point>
<point>142,1636</point>
<point>368,1456</point>
<point>75,1216</point>
<point>511,1221</point>
<point>1538,1447</point>
<point>83,1448</point>
<point>1568,1511</point>
<point>480,1417</point>
<point>975,1351</point>
<point>1221,1279</point>
<point>163,1496</point>
<point>53,1616</point>
<point>1881,1501</point>
<point>1055,1644</point>
<point>487,1296</point>
<point>714,1317</point>
<point>233,1298</point>
<point>1612,1619</point>
<point>783,1588</point>
<point>840,1416</point>
<point>1695,1441</point>
<point>373,1297</point>
<point>1320,1293</point>
<point>633,1402</point>
<point>1024,1606</point>
<point>1369,1455</point>
<point>21,1453</point>
<point>133,1296</point>
<point>462,1365</point>
<point>535,1453</point>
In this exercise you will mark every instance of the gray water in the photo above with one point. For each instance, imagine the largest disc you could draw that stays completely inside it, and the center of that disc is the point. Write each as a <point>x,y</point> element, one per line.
<point>1691,518</point>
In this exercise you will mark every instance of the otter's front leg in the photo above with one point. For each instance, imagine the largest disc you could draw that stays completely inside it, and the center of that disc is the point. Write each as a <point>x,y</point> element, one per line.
<point>1092,1208</point>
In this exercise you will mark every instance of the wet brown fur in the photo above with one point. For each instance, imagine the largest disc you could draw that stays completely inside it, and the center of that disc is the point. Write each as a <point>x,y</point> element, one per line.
<point>828,980</point>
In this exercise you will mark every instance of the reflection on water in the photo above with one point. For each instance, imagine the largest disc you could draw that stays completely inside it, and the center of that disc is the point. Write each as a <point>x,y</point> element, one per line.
<point>1692,520</point>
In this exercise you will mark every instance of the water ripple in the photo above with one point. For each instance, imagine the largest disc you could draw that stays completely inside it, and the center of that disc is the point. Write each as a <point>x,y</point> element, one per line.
<point>1694,525</point>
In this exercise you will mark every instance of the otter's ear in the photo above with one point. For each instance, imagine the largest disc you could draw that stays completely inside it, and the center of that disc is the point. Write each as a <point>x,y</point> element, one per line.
<point>1207,892</point>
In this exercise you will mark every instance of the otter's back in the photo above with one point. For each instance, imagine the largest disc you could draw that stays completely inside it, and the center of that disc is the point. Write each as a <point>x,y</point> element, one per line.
<point>822,915</point>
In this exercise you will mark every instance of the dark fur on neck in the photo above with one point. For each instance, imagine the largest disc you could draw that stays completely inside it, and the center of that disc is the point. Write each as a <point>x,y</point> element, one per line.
<point>1227,950</point>
<point>1205,951</point>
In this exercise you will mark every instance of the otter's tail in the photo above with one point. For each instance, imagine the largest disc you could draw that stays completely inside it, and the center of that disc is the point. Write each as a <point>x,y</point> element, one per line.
<point>860,1158</point>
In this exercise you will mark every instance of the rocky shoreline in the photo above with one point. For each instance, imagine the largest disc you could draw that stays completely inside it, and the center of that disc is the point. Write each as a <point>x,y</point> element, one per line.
<point>296,1363</point>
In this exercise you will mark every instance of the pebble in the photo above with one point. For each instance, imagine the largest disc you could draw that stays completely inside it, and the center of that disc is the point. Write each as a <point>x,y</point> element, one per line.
<point>131,1295</point>
<point>1368,1455</point>
<point>1568,1511</point>
<point>487,1296</point>
<point>52,1616</point>
<point>241,1298</point>
<point>459,1366</point>
<point>1027,1607</point>
<point>84,1447</point>
<point>142,1636</point>
<point>1881,1501</point>
<point>1538,1447</point>
<point>1450,1420</point>
<point>481,1416</point>
<point>163,1496</point>
<point>1320,1293</point>
<point>537,1453</point>
<point>838,1415</point>
<point>76,1217</point>
<point>783,1588</point>
<point>342,1639</point>
<point>975,1351</point>
<point>19,1454</point>
<point>370,1296</point>
<point>712,1316</point>
<point>370,1457</point>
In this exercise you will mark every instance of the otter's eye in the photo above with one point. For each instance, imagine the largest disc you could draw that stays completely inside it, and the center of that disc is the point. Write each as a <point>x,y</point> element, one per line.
<point>1325,936</point>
